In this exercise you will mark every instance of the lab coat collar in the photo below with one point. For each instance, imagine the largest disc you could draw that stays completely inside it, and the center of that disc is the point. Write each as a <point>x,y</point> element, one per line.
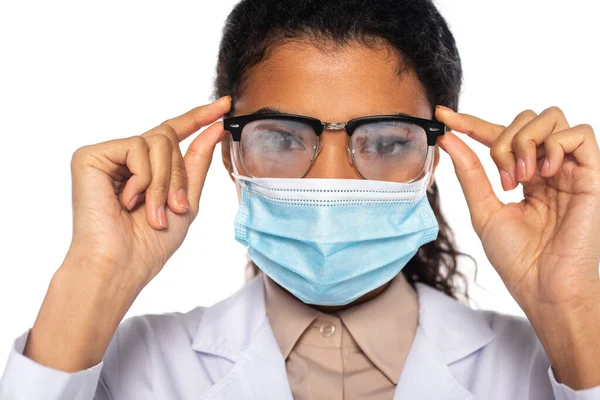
<point>453,328</point>
<point>448,331</point>
<point>227,327</point>
<point>237,329</point>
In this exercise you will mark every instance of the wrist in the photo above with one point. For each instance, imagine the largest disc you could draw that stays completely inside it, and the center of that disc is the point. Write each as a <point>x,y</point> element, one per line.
<point>81,280</point>
<point>78,266</point>
<point>568,333</point>
<point>77,319</point>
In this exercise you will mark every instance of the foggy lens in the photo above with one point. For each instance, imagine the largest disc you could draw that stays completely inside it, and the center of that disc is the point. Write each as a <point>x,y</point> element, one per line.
<point>392,151</point>
<point>277,148</point>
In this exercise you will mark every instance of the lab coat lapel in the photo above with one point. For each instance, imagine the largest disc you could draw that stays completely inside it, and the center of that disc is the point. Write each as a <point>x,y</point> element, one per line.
<point>258,374</point>
<point>427,376</point>
<point>448,331</point>
<point>238,329</point>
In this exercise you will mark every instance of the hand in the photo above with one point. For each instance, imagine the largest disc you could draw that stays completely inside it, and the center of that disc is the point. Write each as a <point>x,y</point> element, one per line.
<point>135,198</point>
<point>545,248</point>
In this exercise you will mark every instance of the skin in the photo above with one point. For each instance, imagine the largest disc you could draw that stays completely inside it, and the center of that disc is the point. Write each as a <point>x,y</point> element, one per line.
<point>320,89</point>
<point>135,198</point>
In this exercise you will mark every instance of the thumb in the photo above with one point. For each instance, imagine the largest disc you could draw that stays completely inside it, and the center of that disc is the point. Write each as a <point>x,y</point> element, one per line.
<point>481,199</point>
<point>197,161</point>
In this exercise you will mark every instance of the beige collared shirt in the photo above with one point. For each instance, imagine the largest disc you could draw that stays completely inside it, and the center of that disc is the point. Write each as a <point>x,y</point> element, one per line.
<point>356,353</point>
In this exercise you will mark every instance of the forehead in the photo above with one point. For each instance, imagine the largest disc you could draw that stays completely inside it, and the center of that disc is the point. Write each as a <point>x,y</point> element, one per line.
<point>332,83</point>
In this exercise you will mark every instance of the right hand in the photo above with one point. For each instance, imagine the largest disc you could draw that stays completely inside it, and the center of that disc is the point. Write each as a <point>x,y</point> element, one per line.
<point>128,218</point>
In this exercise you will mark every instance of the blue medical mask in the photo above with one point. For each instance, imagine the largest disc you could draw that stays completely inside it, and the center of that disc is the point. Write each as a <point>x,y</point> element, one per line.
<point>330,241</point>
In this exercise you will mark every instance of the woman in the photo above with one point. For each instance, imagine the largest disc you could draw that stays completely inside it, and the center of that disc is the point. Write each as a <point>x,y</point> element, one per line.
<point>332,140</point>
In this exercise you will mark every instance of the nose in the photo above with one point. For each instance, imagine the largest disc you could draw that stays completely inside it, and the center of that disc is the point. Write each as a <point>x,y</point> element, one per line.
<point>334,160</point>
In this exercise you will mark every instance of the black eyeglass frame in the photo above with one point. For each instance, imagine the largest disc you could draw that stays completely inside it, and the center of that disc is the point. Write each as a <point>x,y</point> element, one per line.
<point>433,129</point>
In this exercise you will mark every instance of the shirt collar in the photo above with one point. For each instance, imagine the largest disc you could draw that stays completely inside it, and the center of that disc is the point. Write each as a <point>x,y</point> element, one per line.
<point>288,316</point>
<point>383,327</point>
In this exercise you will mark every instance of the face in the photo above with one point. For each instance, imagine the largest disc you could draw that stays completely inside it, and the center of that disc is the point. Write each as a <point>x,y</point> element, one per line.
<point>333,85</point>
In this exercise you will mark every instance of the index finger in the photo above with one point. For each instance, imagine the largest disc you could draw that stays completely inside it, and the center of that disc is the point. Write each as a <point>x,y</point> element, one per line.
<point>190,122</point>
<point>483,131</point>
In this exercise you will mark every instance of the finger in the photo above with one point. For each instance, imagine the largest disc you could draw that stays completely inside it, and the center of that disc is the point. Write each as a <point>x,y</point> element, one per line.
<point>579,140</point>
<point>177,198</point>
<point>177,194</point>
<point>197,161</point>
<point>190,122</point>
<point>130,152</point>
<point>160,151</point>
<point>502,150</point>
<point>480,196</point>
<point>142,172</point>
<point>526,140</point>
<point>482,131</point>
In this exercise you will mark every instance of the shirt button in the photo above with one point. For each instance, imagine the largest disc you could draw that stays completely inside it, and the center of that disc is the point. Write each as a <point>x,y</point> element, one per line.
<point>327,330</point>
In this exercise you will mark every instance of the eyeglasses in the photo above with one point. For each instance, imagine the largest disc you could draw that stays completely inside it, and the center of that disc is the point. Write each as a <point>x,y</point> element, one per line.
<point>392,148</point>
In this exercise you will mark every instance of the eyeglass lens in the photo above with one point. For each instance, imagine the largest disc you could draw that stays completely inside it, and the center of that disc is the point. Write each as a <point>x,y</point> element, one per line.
<point>385,150</point>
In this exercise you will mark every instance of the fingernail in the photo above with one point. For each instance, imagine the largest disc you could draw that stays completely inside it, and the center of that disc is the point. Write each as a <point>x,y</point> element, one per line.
<point>162,216</point>
<point>546,167</point>
<point>440,107</point>
<point>521,170</point>
<point>133,201</point>
<point>506,180</point>
<point>222,99</point>
<point>182,199</point>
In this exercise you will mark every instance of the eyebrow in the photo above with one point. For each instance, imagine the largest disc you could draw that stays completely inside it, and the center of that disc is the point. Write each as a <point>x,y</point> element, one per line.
<point>271,110</point>
<point>267,110</point>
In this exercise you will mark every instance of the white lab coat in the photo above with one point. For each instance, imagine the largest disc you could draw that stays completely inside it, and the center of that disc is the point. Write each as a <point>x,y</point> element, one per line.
<point>228,351</point>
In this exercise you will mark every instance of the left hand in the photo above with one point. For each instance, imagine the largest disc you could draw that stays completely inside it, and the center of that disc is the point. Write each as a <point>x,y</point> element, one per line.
<point>545,248</point>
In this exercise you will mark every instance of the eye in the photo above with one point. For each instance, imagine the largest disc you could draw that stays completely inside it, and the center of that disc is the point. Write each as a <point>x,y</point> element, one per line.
<point>279,140</point>
<point>382,145</point>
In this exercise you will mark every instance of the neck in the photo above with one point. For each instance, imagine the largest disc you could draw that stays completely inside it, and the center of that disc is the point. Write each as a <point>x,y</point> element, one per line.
<point>364,298</point>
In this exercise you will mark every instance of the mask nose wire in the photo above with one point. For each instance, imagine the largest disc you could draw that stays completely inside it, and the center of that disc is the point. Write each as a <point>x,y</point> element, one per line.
<point>336,126</point>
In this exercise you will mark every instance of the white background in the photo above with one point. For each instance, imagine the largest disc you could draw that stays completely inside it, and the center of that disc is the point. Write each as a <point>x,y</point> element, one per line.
<point>75,73</point>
